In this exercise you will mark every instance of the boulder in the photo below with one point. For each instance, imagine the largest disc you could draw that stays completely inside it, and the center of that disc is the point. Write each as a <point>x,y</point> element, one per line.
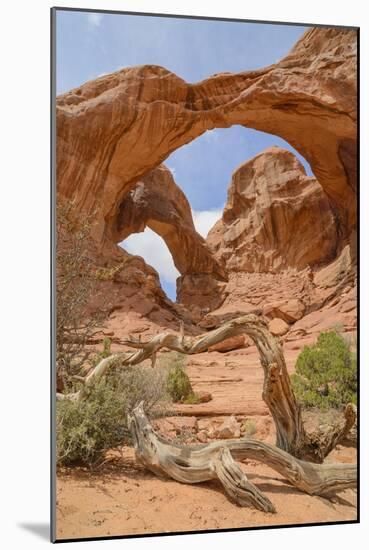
<point>290,311</point>
<point>229,429</point>
<point>183,423</point>
<point>235,342</point>
<point>278,327</point>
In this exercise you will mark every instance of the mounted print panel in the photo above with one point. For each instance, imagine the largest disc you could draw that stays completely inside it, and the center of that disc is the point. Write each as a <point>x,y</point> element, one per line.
<point>205,290</point>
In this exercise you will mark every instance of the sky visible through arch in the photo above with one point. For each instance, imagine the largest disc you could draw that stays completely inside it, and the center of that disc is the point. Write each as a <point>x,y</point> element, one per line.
<point>90,44</point>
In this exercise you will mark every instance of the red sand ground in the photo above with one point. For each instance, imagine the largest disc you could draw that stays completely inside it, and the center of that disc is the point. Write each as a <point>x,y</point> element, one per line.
<point>125,499</point>
<point>121,498</point>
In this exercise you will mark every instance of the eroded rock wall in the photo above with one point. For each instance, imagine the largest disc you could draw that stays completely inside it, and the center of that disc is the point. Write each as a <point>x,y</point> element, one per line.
<point>113,133</point>
<point>275,217</point>
<point>113,130</point>
<point>278,240</point>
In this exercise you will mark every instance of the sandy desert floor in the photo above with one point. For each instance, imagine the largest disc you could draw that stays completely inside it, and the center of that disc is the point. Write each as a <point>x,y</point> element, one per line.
<point>124,499</point>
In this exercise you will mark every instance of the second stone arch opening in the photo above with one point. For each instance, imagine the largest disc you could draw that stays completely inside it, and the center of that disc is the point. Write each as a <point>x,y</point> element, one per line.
<point>276,218</point>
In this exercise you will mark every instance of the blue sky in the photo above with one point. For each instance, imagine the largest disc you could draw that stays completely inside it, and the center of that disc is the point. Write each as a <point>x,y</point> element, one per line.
<point>92,44</point>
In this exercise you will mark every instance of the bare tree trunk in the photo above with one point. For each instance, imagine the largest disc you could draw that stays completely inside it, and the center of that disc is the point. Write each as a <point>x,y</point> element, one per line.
<point>277,389</point>
<point>195,464</point>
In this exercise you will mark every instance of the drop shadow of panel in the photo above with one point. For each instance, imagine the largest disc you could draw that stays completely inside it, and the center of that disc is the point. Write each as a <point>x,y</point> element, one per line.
<point>42,530</point>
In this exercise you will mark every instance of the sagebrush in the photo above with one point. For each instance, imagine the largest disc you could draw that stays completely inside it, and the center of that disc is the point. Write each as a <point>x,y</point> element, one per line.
<point>85,429</point>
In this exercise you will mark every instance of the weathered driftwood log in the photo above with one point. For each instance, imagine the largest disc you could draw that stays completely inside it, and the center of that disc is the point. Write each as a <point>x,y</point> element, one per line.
<point>277,390</point>
<point>195,464</point>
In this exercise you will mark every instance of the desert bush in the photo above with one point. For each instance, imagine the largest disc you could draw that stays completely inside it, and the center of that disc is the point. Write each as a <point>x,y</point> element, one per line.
<point>326,374</point>
<point>178,383</point>
<point>87,428</point>
<point>191,399</point>
<point>75,285</point>
<point>99,356</point>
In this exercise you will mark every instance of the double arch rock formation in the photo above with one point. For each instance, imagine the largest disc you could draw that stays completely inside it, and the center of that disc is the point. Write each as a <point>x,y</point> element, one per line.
<point>113,130</point>
<point>114,133</point>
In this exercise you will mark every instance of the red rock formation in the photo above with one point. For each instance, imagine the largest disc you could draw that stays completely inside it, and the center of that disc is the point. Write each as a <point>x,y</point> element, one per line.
<point>275,217</point>
<point>129,290</point>
<point>290,311</point>
<point>328,301</point>
<point>157,202</point>
<point>113,130</point>
<point>278,241</point>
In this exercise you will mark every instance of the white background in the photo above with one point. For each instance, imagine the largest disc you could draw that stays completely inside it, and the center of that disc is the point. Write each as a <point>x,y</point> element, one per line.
<point>24,272</point>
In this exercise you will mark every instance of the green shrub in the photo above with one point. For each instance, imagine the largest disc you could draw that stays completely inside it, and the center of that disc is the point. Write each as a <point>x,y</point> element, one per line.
<point>191,399</point>
<point>106,351</point>
<point>178,383</point>
<point>326,374</point>
<point>87,428</point>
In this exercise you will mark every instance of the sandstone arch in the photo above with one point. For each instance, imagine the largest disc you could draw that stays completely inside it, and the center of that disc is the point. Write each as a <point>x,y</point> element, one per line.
<point>158,203</point>
<point>113,130</point>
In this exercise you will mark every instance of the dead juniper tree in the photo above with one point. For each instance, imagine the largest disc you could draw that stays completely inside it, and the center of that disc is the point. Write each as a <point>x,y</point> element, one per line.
<point>75,285</point>
<point>297,455</point>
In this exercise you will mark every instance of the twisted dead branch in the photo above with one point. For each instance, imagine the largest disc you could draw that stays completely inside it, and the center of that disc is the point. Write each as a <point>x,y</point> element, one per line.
<point>195,464</point>
<point>277,390</point>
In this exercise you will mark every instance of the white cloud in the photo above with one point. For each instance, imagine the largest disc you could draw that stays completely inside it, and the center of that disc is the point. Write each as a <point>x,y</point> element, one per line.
<point>154,251</point>
<point>94,19</point>
<point>205,219</point>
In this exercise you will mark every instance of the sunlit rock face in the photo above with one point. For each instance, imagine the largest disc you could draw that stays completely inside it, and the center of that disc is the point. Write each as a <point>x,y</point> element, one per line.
<point>279,242</point>
<point>275,217</point>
